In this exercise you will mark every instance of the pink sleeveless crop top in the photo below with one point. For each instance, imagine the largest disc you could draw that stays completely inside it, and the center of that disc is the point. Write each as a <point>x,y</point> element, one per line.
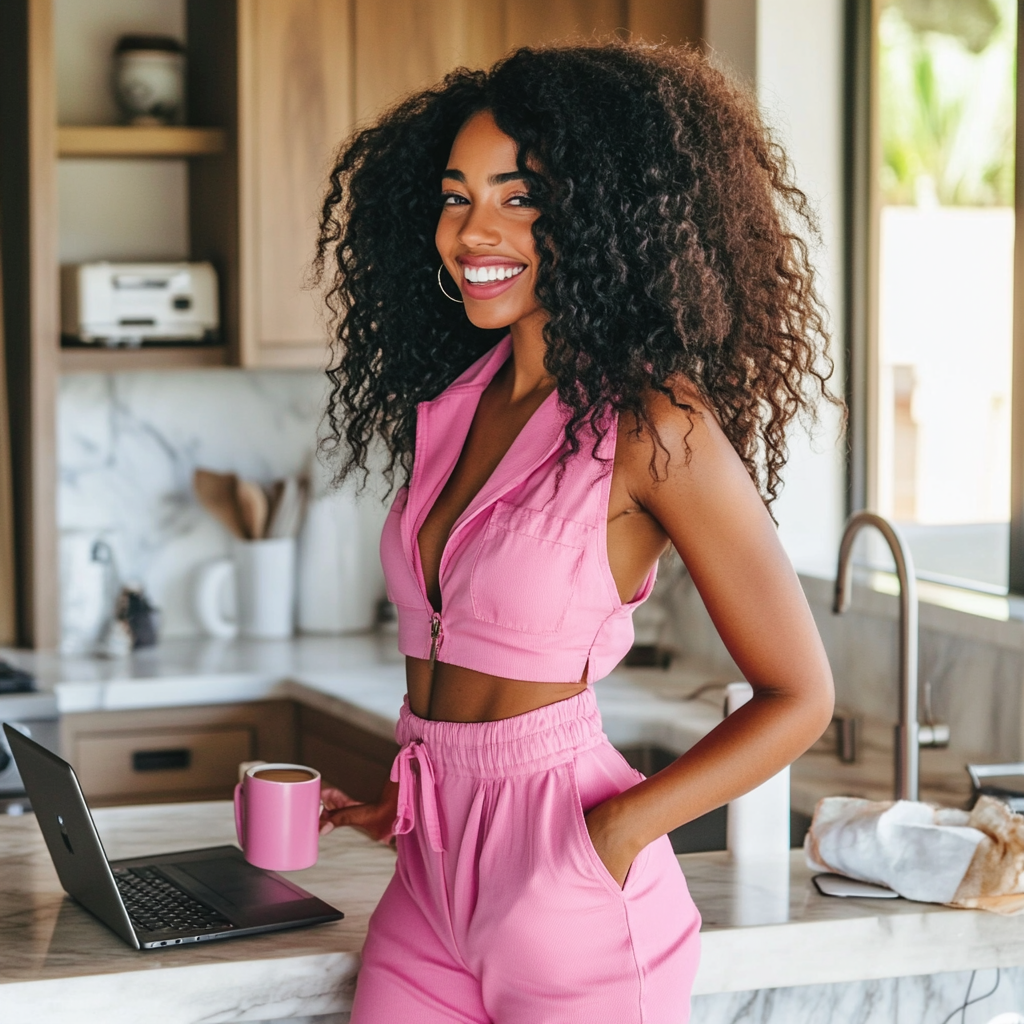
<point>526,589</point>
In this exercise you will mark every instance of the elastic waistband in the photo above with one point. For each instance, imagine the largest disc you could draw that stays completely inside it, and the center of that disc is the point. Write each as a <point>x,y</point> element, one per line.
<point>521,745</point>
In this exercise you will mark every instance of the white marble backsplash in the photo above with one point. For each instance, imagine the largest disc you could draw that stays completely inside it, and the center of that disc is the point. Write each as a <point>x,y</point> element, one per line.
<point>128,444</point>
<point>975,665</point>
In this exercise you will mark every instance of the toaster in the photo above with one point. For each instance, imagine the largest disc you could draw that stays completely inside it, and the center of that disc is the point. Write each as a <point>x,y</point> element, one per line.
<point>131,303</point>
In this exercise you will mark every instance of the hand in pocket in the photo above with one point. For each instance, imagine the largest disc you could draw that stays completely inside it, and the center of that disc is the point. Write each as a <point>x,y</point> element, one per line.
<point>614,845</point>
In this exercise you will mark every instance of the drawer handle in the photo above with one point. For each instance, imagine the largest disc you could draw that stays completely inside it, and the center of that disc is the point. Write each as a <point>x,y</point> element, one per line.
<point>161,760</point>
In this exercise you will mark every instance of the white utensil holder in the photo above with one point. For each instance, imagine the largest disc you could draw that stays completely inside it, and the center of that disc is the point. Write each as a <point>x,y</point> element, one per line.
<point>261,574</point>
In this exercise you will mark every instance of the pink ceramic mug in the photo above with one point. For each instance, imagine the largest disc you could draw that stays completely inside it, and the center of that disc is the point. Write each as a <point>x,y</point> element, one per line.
<point>277,816</point>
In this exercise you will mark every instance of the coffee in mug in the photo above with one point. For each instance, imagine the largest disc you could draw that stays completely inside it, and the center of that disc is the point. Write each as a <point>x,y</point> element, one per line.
<point>277,816</point>
<point>284,774</point>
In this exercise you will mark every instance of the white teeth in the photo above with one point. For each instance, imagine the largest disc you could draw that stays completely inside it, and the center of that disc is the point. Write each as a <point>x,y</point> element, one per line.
<point>482,275</point>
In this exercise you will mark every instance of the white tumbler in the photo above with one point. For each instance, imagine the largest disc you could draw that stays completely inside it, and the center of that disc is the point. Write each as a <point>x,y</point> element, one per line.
<point>757,838</point>
<point>757,823</point>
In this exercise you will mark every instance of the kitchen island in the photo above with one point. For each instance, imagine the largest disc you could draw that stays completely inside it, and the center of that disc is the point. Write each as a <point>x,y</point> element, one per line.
<point>773,949</point>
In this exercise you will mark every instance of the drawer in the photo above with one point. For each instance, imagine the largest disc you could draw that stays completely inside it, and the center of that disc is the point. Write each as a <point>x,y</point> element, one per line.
<point>162,761</point>
<point>175,753</point>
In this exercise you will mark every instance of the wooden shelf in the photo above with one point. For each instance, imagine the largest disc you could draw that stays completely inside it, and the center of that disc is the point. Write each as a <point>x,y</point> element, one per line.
<point>115,360</point>
<point>114,141</point>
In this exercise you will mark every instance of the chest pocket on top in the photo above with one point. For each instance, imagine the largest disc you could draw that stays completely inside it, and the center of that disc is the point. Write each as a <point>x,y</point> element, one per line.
<point>526,568</point>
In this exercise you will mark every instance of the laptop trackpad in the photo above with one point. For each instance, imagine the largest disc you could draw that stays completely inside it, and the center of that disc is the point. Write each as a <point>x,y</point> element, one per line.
<point>252,894</point>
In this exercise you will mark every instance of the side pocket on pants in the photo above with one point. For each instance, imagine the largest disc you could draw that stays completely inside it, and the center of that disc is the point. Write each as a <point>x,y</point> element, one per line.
<point>590,855</point>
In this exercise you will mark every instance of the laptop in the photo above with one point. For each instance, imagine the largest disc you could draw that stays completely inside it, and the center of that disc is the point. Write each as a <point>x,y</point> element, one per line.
<point>162,900</point>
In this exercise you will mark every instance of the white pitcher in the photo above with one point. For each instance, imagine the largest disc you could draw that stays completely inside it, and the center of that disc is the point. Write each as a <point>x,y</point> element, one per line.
<point>259,580</point>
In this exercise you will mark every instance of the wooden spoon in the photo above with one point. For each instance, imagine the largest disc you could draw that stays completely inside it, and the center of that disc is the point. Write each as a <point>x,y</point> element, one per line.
<point>252,508</point>
<point>290,508</point>
<point>284,511</point>
<point>274,495</point>
<point>216,493</point>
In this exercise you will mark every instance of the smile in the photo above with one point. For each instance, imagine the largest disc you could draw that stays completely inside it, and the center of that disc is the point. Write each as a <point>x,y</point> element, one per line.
<point>483,279</point>
<point>483,275</point>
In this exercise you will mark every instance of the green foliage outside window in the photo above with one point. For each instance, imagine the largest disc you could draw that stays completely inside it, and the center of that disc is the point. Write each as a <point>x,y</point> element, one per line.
<point>946,101</point>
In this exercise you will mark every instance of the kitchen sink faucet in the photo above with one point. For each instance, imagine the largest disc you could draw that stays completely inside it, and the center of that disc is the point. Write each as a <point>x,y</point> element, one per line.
<point>910,736</point>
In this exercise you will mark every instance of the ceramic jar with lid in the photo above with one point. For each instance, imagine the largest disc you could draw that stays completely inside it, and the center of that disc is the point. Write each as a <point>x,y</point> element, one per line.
<point>149,79</point>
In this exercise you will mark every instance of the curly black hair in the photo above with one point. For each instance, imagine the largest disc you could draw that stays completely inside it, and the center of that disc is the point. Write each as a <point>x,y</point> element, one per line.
<point>666,240</point>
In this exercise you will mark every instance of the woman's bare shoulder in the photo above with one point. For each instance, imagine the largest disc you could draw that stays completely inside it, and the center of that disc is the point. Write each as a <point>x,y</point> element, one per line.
<point>674,427</point>
<point>679,466</point>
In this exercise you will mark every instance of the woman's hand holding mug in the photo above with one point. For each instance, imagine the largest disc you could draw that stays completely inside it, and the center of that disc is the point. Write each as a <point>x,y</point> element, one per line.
<point>375,820</point>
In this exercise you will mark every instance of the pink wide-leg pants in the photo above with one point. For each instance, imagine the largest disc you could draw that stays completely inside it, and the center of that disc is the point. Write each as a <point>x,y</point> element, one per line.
<point>500,909</point>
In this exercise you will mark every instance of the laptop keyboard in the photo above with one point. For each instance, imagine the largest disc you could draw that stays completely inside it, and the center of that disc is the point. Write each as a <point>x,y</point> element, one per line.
<point>156,904</point>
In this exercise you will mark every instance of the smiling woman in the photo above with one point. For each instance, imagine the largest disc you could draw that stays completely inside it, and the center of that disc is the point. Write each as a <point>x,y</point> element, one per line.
<point>485,212</point>
<point>638,327</point>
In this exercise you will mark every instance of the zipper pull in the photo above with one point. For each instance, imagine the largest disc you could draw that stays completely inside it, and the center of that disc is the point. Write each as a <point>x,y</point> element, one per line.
<point>435,635</point>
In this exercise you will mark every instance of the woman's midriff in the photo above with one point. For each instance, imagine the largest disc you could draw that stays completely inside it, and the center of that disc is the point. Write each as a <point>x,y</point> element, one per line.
<point>449,693</point>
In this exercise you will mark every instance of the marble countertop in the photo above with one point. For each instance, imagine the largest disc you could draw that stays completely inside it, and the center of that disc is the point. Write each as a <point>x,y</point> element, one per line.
<point>763,928</point>
<point>359,677</point>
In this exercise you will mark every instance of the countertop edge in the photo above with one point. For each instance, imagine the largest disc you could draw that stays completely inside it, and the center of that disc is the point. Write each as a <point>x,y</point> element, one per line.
<point>819,952</point>
<point>298,986</point>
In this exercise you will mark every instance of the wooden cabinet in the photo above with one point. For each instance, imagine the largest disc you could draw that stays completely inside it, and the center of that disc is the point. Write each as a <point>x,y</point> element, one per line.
<point>193,753</point>
<point>358,762</point>
<point>276,85</point>
<point>308,71</point>
<point>404,45</point>
<point>534,22</point>
<point>170,754</point>
<point>311,70</point>
<point>28,252</point>
<point>294,107</point>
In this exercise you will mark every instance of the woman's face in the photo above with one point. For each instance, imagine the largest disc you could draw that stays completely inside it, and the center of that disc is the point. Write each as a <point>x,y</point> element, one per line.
<point>483,233</point>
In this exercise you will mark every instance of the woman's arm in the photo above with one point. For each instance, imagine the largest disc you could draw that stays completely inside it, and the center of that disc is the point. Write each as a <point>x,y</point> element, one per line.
<point>711,512</point>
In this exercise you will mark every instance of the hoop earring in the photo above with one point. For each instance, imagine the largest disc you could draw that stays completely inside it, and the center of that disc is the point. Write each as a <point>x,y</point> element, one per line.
<point>441,286</point>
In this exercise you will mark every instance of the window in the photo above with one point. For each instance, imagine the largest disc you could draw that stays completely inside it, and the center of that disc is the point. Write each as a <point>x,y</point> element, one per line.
<point>937,342</point>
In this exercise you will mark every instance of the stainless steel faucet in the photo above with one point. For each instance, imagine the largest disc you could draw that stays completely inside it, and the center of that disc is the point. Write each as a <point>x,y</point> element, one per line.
<point>910,736</point>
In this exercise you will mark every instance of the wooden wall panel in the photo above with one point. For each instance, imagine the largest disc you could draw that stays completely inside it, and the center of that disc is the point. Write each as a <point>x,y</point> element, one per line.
<point>296,107</point>
<point>310,70</point>
<point>404,45</point>
<point>213,213</point>
<point>532,22</point>
<point>670,21</point>
<point>28,197</point>
<point>44,587</point>
<point>484,28</point>
<point>8,567</point>
<point>14,248</point>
